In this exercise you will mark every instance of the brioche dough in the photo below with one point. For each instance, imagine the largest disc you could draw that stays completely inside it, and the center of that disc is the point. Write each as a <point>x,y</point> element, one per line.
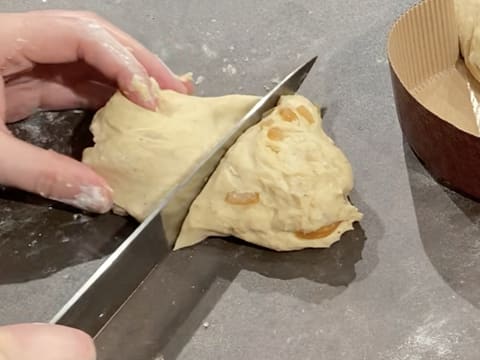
<point>143,154</point>
<point>283,185</point>
<point>468,22</point>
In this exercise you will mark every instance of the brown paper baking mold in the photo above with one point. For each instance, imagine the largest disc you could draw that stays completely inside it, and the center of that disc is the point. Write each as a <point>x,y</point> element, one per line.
<point>437,100</point>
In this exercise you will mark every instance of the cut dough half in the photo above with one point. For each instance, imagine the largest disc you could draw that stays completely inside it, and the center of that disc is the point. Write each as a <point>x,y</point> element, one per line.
<point>284,185</point>
<point>143,154</point>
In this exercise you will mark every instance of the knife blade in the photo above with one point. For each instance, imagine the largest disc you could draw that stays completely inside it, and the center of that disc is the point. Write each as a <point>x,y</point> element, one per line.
<point>123,271</point>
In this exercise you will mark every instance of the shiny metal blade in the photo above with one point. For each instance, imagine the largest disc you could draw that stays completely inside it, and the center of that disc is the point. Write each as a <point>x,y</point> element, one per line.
<point>121,274</point>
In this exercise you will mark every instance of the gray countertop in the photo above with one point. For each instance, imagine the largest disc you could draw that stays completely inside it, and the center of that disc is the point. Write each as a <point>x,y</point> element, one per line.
<point>413,293</point>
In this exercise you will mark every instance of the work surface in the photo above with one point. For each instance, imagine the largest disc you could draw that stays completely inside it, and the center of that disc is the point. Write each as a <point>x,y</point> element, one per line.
<point>403,285</point>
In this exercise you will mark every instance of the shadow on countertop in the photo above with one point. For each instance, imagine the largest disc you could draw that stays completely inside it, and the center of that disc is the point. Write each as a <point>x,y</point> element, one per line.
<point>39,237</point>
<point>167,309</point>
<point>449,228</point>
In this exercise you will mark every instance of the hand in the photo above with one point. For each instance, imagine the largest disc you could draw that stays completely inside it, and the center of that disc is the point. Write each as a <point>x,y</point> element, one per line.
<point>59,60</point>
<point>44,342</point>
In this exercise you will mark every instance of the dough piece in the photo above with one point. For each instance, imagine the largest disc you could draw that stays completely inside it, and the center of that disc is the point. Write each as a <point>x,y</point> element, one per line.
<point>283,185</point>
<point>143,154</point>
<point>468,22</point>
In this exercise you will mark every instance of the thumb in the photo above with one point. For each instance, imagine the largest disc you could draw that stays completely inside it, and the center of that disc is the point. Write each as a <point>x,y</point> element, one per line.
<point>45,342</point>
<point>52,175</point>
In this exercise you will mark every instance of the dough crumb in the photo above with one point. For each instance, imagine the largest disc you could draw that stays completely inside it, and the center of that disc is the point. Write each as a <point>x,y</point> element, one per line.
<point>229,69</point>
<point>199,80</point>
<point>209,52</point>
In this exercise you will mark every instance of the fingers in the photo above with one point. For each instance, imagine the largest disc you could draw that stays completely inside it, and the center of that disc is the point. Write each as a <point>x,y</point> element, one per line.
<point>89,41</point>
<point>46,172</point>
<point>152,63</point>
<point>42,341</point>
<point>26,97</point>
<point>52,175</point>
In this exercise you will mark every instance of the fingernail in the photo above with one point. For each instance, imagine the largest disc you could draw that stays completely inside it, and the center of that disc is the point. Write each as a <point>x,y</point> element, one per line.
<point>91,198</point>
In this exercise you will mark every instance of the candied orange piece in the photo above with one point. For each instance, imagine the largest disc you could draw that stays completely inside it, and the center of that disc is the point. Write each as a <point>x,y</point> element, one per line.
<point>302,110</point>
<point>319,233</point>
<point>287,114</point>
<point>275,134</point>
<point>246,198</point>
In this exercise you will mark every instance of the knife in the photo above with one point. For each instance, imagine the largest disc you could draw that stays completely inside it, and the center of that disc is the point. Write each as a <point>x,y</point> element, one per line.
<point>103,294</point>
